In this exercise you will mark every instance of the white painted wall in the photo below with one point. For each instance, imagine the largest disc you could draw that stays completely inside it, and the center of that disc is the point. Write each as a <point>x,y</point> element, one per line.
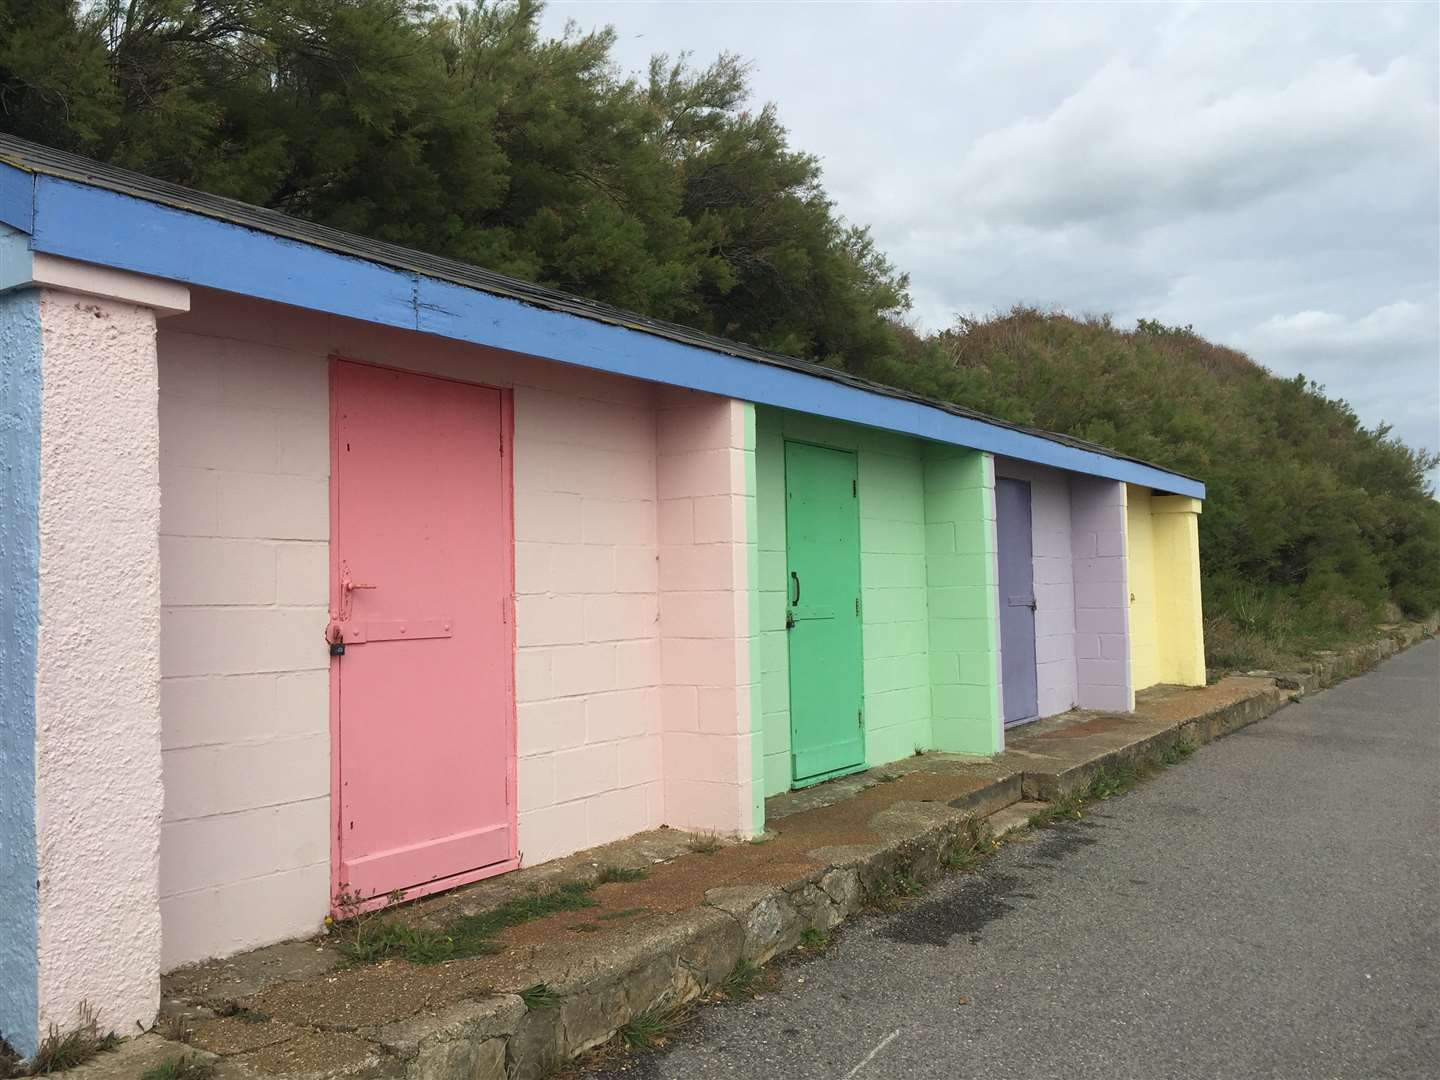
<point>97,753</point>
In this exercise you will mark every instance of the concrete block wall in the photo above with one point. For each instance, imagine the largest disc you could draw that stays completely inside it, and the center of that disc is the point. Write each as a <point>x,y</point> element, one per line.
<point>892,580</point>
<point>705,474</point>
<point>1102,596</point>
<point>245,531</point>
<point>963,600</point>
<point>1054,582</point>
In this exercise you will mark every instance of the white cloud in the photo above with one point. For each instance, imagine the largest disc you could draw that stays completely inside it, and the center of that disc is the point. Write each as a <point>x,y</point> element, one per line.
<point>1399,328</point>
<point>1135,144</point>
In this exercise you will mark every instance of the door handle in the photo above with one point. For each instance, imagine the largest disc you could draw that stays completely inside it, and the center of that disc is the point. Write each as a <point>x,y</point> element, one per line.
<point>796,579</point>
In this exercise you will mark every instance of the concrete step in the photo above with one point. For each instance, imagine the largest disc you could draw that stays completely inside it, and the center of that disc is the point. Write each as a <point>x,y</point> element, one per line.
<point>1015,816</point>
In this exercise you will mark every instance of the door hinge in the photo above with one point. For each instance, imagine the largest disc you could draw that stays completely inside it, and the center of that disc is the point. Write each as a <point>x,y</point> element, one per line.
<point>854,489</point>
<point>857,605</point>
<point>860,717</point>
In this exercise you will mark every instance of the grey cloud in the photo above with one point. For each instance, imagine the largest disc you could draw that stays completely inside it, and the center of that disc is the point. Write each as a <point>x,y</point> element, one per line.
<point>1269,174</point>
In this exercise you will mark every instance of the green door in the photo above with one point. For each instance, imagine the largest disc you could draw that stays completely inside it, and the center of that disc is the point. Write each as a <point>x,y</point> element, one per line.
<point>822,536</point>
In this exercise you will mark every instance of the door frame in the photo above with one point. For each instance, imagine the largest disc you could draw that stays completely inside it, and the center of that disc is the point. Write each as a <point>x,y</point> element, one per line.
<point>507,509</point>
<point>848,770</point>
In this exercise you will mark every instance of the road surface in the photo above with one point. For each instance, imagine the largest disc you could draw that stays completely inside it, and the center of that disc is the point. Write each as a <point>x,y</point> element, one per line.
<point>1267,908</point>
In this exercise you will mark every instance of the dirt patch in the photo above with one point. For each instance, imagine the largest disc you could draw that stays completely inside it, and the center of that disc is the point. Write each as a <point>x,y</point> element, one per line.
<point>1175,704</point>
<point>1095,726</point>
<point>374,994</point>
<point>313,1052</point>
<point>232,1035</point>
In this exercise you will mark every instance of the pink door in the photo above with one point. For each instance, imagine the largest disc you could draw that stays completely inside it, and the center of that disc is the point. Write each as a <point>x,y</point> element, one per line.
<point>420,597</point>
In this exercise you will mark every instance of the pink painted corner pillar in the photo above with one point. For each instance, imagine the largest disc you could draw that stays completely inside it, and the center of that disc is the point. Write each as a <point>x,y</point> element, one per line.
<point>1102,597</point>
<point>98,794</point>
<point>704,465</point>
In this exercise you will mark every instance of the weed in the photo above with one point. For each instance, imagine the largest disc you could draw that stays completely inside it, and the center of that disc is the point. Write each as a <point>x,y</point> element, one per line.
<point>744,982</point>
<point>653,1028</point>
<point>888,893</point>
<point>1109,782</point>
<point>814,939</point>
<point>1177,752</point>
<point>624,913</point>
<point>1069,805</point>
<point>174,1028</point>
<point>539,996</point>
<point>184,1067</point>
<point>61,1050</point>
<point>705,843</point>
<point>975,841</point>
<point>9,1061</point>
<point>620,873</point>
<point>369,940</point>
<point>378,940</point>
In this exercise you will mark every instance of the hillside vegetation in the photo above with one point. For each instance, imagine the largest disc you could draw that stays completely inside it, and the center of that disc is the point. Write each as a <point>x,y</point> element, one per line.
<point>463,131</point>
<point>1314,526</point>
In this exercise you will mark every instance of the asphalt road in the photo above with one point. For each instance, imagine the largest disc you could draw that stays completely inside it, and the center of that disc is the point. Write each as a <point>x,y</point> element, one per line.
<point>1267,908</point>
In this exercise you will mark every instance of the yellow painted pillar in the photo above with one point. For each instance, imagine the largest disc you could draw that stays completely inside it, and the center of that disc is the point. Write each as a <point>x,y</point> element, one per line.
<point>1140,574</point>
<point>1179,626</point>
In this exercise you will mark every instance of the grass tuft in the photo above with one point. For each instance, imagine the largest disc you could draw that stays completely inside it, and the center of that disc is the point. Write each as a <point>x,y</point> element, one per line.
<point>620,873</point>
<point>975,841</point>
<point>10,1063</point>
<point>184,1067</point>
<point>653,1028</point>
<point>174,1028</point>
<point>814,940</point>
<point>705,843</point>
<point>368,939</point>
<point>1109,782</point>
<point>744,982</point>
<point>61,1050</point>
<point>539,996</point>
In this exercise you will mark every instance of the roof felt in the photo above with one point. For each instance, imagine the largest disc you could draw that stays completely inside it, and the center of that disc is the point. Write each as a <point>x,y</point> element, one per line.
<point>44,161</point>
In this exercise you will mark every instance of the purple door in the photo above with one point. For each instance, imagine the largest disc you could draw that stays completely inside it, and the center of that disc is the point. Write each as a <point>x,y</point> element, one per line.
<point>1017,600</point>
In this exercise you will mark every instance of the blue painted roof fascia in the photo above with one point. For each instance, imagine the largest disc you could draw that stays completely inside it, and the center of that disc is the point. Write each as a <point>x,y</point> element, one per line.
<point>17,198</point>
<point>100,226</point>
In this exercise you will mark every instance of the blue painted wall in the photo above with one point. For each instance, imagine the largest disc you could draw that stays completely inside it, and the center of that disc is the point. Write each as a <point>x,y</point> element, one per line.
<point>19,620</point>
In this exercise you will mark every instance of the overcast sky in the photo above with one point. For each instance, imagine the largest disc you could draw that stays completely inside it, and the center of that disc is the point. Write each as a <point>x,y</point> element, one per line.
<point>1268,173</point>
